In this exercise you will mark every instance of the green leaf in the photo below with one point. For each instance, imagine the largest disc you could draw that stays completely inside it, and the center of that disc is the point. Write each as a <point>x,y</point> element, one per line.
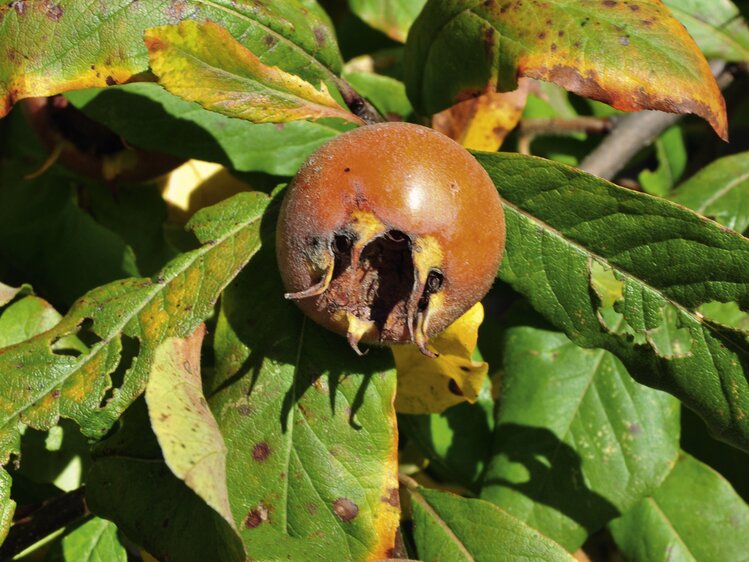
<point>148,116</point>
<point>570,234</point>
<point>190,440</point>
<point>632,56</point>
<point>130,484</point>
<point>204,63</point>
<point>392,17</point>
<point>577,441</point>
<point>720,191</point>
<point>454,441</point>
<point>124,322</point>
<point>310,427</point>
<point>448,527</point>
<point>672,161</point>
<point>728,461</point>
<point>8,293</point>
<point>717,26</point>
<point>694,515</point>
<point>72,45</point>
<point>26,318</point>
<point>44,235</point>
<point>7,505</point>
<point>93,541</point>
<point>136,213</point>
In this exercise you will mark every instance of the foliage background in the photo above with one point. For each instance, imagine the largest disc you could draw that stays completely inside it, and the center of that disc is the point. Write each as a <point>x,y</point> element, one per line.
<point>157,371</point>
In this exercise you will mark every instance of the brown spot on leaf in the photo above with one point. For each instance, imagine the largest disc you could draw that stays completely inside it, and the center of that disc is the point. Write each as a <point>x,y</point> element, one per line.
<point>634,7</point>
<point>392,498</point>
<point>345,509</point>
<point>19,6</point>
<point>56,393</point>
<point>260,452</point>
<point>609,3</point>
<point>54,12</point>
<point>319,35</point>
<point>256,516</point>
<point>553,47</point>
<point>311,508</point>
<point>244,409</point>
<point>542,35</point>
<point>269,40</point>
<point>110,81</point>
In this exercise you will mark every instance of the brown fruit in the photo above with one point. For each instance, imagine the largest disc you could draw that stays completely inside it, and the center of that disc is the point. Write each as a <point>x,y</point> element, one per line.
<point>389,233</point>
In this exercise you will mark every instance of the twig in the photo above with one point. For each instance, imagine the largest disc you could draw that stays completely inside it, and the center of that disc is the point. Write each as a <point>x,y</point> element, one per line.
<point>51,516</point>
<point>532,128</point>
<point>357,104</point>
<point>636,131</point>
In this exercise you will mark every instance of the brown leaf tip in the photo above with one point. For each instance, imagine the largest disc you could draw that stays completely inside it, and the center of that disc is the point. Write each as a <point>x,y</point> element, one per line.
<point>345,509</point>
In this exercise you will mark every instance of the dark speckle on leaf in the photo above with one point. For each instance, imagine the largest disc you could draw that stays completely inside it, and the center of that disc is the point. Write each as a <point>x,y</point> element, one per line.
<point>610,3</point>
<point>260,452</point>
<point>345,509</point>
<point>19,6</point>
<point>110,81</point>
<point>54,12</point>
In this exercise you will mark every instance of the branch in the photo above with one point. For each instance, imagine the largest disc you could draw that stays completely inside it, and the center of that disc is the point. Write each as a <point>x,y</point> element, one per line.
<point>53,514</point>
<point>636,131</point>
<point>558,126</point>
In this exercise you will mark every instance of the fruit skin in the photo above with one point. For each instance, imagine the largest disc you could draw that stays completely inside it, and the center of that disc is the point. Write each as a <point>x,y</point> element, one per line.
<point>409,179</point>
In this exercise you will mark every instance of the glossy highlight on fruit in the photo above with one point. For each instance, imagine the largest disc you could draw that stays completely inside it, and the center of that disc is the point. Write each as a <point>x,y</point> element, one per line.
<point>388,234</point>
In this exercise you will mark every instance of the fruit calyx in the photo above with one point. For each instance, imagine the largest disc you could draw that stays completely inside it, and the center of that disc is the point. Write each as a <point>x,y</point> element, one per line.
<point>381,283</point>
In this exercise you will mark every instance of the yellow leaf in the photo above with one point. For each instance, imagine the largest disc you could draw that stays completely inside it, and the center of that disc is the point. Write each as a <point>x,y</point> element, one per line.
<point>197,184</point>
<point>484,122</point>
<point>427,385</point>
<point>202,62</point>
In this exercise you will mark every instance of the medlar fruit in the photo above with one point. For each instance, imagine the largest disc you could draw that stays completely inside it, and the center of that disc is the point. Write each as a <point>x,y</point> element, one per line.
<point>389,233</point>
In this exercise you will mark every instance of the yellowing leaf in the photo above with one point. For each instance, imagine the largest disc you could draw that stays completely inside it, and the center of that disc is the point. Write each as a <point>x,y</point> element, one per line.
<point>205,64</point>
<point>427,385</point>
<point>187,432</point>
<point>631,55</point>
<point>484,122</point>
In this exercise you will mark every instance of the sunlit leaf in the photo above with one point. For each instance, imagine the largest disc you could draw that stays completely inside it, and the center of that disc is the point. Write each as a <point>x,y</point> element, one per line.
<point>124,322</point>
<point>205,64</point>
<point>717,26</point>
<point>95,540</point>
<point>448,527</point>
<point>694,515</point>
<point>631,55</point>
<point>392,17</point>
<point>309,425</point>
<point>131,485</point>
<point>577,441</point>
<point>190,440</point>
<point>570,233</point>
<point>720,191</point>
<point>57,47</point>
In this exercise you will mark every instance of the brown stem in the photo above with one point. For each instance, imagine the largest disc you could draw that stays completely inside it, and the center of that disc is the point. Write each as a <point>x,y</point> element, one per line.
<point>357,104</point>
<point>532,128</point>
<point>52,515</point>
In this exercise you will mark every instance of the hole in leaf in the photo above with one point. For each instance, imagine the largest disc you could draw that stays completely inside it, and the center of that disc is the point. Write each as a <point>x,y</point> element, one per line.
<point>130,350</point>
